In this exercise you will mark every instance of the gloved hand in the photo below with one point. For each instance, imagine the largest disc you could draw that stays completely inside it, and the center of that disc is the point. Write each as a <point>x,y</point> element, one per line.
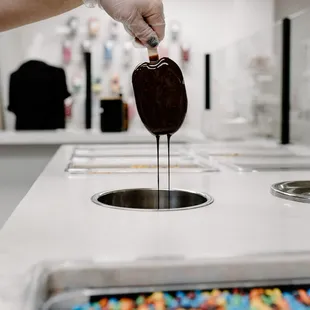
<point>143,19</point>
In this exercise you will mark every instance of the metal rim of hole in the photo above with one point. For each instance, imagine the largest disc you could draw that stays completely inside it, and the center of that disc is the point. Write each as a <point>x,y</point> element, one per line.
<point>208,200</point>
<point>287,191</point>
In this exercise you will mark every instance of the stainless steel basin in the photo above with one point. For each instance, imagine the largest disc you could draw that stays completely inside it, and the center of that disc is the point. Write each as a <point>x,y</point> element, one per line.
<point>298,191</point>
<point>152,199</point>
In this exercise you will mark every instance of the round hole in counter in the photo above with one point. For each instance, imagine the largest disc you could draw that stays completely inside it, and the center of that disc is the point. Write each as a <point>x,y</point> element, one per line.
<point>298,191</point>
<point>147,200</point>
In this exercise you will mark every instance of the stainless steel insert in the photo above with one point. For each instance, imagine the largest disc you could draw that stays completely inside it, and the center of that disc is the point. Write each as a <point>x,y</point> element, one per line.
<point>245,152</point>
<point>107,165</point>
<point>125,151</point>
<point>152,200</point>
<point>61,286</point>
<point>260,164</point>
<point>298,191</point>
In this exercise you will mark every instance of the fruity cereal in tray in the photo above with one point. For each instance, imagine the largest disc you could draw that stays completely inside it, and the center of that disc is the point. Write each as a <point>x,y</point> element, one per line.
<point>282,298</point>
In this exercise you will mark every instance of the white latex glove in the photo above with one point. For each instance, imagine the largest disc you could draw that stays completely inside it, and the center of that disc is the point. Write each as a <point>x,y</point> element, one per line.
<point>143,19</point>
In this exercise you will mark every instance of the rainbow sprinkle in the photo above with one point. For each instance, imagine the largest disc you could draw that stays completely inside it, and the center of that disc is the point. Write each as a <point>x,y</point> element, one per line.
<point>252,299</point>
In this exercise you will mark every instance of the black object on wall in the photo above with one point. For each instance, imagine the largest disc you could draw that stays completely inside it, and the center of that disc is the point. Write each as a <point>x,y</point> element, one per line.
<point>112,115</point>
<point>88,101</point>
<point>36,96</point>
<point>208,82</point>
<point>286,81</point>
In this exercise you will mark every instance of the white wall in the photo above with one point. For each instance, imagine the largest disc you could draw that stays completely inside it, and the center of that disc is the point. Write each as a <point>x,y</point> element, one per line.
<point>10,57</point>
<point>206,25</point>
<point>1,107</point>
<point>251,16</point>
<point>284,8</point>
<point>300,65</point>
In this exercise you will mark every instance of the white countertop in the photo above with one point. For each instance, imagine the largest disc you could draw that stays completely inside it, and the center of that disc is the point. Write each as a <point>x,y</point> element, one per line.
<point>60,137</point>
<point>57,219</point>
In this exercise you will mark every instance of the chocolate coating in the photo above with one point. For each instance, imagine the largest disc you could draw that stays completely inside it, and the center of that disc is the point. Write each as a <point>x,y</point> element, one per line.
<point>160,96</point>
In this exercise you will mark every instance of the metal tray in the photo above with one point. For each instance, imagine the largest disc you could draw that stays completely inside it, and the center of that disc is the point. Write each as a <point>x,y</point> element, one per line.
<point>60,287</point>
<point>106,165</point>
<point>245,152</point>
<point>127,151</point>
<point>260,164</point>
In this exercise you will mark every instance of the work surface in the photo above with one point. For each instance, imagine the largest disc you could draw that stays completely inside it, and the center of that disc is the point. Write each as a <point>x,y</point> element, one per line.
<point>57,219</point>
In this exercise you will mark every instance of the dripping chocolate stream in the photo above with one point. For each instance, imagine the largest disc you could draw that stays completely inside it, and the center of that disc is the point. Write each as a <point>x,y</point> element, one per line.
<point>169,175</point>
<point>157,141</point>
<point>153,57</point>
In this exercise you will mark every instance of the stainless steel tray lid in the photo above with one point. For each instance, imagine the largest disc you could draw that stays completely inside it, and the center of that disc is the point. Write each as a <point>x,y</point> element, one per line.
<point>298,191</point>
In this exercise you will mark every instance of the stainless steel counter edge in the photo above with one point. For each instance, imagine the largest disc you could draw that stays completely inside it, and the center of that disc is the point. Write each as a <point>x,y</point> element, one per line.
<point>271,269</point>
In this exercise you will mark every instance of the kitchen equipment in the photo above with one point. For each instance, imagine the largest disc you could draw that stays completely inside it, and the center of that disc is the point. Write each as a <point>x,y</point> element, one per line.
<point>175,31</point>
<point>244,152</point>
<point>2,125</point>
<point>298,191</point>
<point>112,115</point>
<point>147,199</point>
<point>77,82</point>
<point>113,30</point>
<point>124,151</point>
<point>62,285</point>
<point>185,53</point>
<point>97,86</point>
<point>137,164</point>
<point>66,52</point>
<point>127,54</point>
<point>73,26</point>
<point>259,163</point>
<point>108,52</point>
<point>93,27</point>
<point>88,97</point>
<point>115,84</point>
<point>208,78</point>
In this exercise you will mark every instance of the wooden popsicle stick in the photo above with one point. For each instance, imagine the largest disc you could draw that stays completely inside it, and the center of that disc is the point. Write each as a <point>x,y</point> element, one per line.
<point>153,54</point>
